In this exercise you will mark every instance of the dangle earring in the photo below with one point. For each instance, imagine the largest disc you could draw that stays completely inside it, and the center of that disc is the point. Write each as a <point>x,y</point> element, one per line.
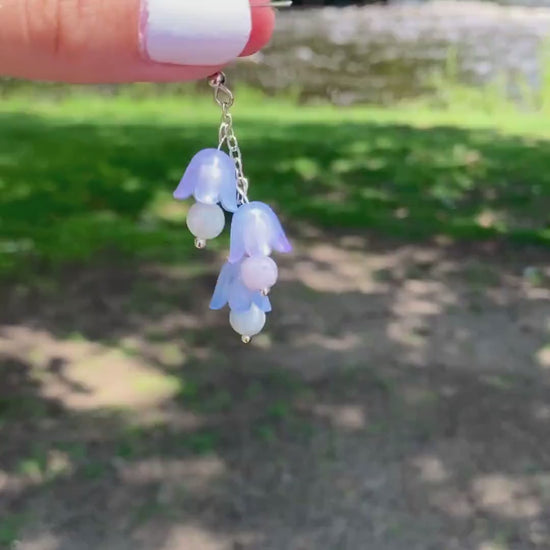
<point>216,177</point>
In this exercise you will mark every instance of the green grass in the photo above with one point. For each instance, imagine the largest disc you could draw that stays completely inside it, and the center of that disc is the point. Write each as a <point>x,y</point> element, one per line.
<point>9,529</point>
<point>90,177</point>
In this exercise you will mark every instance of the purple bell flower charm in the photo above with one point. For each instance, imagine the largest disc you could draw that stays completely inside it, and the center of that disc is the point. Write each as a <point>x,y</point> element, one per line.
<point>256,231</point>
<point>248,307</point>
<point>216,178</point>
<point>230,289</point>
<point>211,179</point>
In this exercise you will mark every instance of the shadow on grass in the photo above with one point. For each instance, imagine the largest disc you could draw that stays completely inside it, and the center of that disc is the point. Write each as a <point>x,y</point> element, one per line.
<point>132,418</point>
<point>398,461</point>
<point>396,401</point>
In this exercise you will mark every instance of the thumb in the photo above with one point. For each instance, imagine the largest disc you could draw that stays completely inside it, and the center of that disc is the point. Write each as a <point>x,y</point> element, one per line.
<point>92,41</point>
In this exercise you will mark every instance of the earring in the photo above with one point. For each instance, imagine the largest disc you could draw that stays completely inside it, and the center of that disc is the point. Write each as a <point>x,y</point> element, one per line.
<point>215,177</point>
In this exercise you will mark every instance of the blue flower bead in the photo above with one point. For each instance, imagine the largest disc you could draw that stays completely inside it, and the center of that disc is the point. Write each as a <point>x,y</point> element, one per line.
<point>231,290</point>
<point>256,231</point>
<point>210,178</point>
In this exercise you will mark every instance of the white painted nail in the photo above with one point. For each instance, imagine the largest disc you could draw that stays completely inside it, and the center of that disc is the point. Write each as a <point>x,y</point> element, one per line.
<point>194,32</point>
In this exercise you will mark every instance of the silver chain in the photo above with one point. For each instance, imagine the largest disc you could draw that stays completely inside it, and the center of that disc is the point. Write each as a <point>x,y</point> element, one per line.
<point>225,99</point>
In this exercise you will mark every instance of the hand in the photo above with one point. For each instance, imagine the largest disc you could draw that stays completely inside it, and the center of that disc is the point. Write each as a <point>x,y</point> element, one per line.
<point>94,41</point>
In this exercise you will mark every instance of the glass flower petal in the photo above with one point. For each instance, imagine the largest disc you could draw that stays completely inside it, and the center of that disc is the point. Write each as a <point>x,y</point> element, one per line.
<point>211,178</point>
<point>228,274</point>
<point>231,290</point>
<point>256,231</point>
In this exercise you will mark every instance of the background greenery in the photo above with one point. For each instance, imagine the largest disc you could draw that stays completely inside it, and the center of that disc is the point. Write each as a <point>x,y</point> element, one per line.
<point>88,175</point>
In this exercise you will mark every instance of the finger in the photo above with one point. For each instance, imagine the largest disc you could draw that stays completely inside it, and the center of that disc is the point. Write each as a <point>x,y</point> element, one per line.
<point>92,41</point>
<point>263,22</point>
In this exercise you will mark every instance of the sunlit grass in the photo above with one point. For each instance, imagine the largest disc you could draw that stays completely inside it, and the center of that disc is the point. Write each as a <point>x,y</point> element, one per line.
<point>89,176</point>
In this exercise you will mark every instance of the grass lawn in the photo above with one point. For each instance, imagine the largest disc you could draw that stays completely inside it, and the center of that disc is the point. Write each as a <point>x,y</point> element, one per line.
<point>89,175</point>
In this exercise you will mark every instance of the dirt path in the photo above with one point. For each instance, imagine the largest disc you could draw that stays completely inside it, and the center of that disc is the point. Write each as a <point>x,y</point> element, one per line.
<point>399,401</point>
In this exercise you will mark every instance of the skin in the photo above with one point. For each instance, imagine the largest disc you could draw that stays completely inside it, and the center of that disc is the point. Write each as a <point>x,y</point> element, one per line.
<point>92,41</point>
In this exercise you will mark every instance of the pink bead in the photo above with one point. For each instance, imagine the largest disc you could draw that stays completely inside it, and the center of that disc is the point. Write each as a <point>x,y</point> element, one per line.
<point>259,272</point>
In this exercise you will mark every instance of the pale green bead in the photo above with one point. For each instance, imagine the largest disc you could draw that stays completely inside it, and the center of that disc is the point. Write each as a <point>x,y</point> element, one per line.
<point>248,323</point>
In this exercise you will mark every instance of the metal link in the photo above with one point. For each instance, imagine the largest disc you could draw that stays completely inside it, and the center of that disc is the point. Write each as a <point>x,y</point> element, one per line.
<point>225,99</point>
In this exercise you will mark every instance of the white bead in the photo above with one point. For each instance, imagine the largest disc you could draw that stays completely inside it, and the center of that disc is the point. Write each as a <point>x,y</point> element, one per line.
<point>205,221</point>
<point>248,323</point>
<point>259,272</point>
